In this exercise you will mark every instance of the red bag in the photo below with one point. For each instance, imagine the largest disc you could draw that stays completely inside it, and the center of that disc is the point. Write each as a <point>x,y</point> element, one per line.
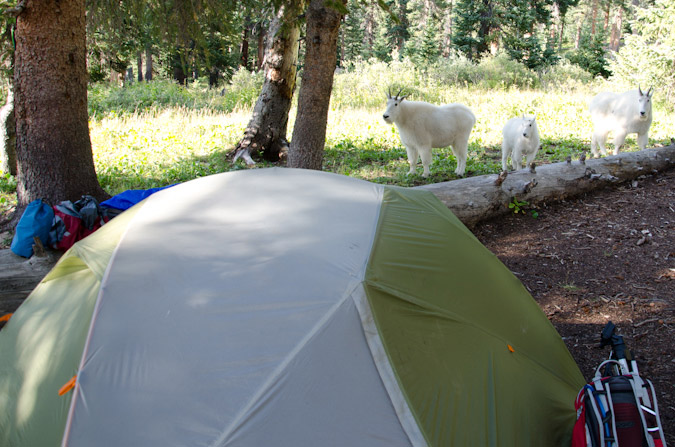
<point>75,221</point>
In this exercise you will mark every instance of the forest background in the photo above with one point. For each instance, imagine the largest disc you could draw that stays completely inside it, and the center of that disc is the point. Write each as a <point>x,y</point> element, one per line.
<point>500,58</point>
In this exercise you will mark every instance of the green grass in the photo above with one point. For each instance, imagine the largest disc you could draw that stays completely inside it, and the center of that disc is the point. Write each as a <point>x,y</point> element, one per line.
<point>155,134</point>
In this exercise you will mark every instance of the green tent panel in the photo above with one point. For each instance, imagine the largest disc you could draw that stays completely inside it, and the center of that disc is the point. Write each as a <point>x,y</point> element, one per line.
<point>454,320</point>
<point>284,307</point>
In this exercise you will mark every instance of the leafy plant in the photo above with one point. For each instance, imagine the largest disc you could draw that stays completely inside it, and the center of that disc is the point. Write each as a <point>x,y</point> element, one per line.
<point>570,287</point>
<point>521,207</point>
<point>7,183</point>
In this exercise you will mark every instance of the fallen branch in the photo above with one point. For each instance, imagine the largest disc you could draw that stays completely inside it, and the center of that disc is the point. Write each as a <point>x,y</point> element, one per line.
<point>651,320</point>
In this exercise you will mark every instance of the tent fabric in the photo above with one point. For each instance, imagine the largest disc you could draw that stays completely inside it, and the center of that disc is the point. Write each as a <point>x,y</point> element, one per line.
<point>41,346</point>
<point>461,310</point>
<point>290,308</point>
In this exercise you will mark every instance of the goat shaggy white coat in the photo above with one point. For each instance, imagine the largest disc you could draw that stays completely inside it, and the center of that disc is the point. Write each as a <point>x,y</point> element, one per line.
<point>423,126</point>
<point>623,114</point>
<point>520,138</point>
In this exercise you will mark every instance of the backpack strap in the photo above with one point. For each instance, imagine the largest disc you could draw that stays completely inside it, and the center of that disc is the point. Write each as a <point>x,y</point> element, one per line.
<point>612,440</point>
<point>600,405</point>
<point>642,392</point>
<point>603,396</point>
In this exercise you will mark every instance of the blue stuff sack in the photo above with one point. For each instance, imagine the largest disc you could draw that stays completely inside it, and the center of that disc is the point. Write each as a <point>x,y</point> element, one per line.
<point>131,197</point>
<point>35,221</point>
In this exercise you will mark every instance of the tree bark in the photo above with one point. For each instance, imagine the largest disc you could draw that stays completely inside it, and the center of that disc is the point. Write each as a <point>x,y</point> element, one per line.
<point>615,36</point>
<point>8,136</point>
<point>478,198</point>
<point>148,63</point>
<point>54,156</point>
<point>243,49</point>
<point>309,133</point>
<point>260,50</point>
<point>266,131</point>
<point>139,65</point>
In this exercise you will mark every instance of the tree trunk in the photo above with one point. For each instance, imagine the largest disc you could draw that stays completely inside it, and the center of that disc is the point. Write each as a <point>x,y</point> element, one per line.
<point>368,31</point>
<point>260,53</point>
<point>266,131</point>
<point>485,29</point>
<point>54,156</point>
<point>405,24</point>
<point>148,63</point>
<point>243,49</point>
<point>309,133</point>
<point>615,38</point>
<point>478,198</point>
<point>139,65</point>
<point>8,136</point>
<point>179,75</point>
<point>446,42</point>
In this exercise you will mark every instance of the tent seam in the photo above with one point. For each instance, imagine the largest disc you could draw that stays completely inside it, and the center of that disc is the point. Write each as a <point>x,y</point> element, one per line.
<point>386,371</point>
<point>240,417</point>
<point>378,352</point>
<point>102,282</point>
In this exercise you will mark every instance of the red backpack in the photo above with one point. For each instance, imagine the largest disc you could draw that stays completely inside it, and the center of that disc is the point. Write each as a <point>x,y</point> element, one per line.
<point>617,408</point>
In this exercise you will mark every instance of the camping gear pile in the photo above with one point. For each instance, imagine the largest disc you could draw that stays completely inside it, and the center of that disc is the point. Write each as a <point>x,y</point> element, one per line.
<point>65,223</point>
<point>283,307</point>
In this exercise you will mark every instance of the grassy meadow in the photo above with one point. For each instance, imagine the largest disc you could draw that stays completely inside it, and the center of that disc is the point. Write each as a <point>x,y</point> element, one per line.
<point>154,134</point>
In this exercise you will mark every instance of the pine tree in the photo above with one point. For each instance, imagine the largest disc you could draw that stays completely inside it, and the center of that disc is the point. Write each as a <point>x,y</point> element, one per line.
<point>591,54</point>
<point>474,23</point>
<point>352,33</point>
<point>520,21</point>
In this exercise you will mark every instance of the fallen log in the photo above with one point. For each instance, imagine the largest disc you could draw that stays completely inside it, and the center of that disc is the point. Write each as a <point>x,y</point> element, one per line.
<point>478,198</point>
<point>18,277</point>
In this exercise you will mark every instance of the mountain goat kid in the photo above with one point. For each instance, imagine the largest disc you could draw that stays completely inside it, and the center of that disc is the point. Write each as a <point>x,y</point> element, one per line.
<point>622,113</point>
<point>520,138</point>
<point>423,126</point>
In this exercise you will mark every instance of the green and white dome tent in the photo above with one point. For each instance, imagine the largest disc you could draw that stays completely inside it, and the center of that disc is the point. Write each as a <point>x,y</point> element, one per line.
<point>282,307</point>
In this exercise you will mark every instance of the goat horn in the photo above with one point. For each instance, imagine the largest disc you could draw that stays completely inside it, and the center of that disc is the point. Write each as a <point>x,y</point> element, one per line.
<point>399,92</point>
<point>389,93</point>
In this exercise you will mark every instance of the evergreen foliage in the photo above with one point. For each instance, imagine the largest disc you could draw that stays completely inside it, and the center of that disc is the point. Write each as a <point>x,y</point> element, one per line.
<point>648,56</point>
<point>591,55</point>
<point>205,38</point>
<point>519,23</point>
<point>473,22</point>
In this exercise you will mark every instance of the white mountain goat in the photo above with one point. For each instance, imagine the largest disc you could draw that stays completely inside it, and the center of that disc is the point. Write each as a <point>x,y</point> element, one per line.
<point>520,138</point>
<point>423,126</point>
<point>621,113</point>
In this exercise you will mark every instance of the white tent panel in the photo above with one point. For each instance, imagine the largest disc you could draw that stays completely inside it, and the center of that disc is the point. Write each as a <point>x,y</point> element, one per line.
<point>204,327</point>
<point>329,394</point>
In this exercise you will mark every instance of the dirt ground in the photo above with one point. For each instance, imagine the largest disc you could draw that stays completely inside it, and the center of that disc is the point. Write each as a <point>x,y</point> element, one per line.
<point>605,256</point>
